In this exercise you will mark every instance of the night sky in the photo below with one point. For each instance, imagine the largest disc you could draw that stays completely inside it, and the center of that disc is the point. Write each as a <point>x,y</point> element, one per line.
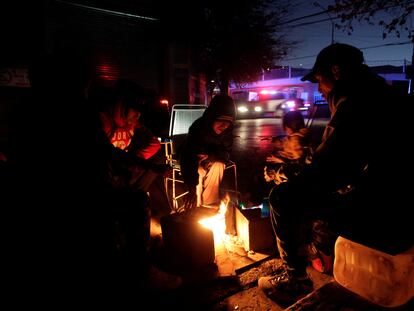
<point>316,36</point>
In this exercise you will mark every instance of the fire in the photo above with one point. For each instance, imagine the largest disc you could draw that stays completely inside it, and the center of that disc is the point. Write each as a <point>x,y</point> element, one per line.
<point>217,222</point>
<point>224,240</point>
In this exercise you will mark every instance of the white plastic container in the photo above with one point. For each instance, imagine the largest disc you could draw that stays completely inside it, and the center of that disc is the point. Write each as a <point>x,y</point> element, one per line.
<point>381,278</point>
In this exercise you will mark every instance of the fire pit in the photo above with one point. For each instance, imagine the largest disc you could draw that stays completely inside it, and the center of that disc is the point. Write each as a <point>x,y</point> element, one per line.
<point>187,243</point>
<point>254,229</point>
<point>206,236</point>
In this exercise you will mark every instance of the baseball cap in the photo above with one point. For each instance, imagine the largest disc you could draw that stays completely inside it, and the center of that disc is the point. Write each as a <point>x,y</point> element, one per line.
<point>334,54</point>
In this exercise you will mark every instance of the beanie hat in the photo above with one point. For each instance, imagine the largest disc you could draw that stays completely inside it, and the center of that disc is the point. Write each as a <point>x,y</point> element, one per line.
<point>221,107</point>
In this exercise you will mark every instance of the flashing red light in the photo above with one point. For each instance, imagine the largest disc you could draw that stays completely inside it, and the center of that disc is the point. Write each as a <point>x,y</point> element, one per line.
<point>164,102</point>
<point>268,92</point>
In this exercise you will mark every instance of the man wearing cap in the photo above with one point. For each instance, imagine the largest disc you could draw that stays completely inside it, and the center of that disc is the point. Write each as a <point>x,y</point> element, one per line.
<point>206,150</point>
<point>349,178</point>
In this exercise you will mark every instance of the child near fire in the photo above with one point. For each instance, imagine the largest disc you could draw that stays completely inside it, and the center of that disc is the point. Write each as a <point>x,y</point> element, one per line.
<point>291,151</point>
<point>290,155</point>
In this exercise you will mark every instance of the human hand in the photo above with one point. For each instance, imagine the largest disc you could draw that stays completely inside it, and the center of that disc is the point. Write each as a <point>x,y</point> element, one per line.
<point>273,159</point>
<point>190,199</point>
<point>269,174</point>
<point>162,169</point>
<point>202,157</point>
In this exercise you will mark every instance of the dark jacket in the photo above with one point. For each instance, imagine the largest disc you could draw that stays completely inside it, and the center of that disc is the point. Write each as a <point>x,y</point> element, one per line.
<point>356,136</point>
<point>202,139</point>
<point>361,161</point>
<point>139,140</point>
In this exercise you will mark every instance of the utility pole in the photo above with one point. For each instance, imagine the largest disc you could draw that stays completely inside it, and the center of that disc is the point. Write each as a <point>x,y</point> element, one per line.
<point>411,76</point>
<point>330,18</point>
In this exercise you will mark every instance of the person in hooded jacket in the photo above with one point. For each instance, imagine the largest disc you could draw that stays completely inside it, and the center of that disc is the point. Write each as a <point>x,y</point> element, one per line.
<point>206,151</point>
<point>133,164</point>
<point>122,123</point>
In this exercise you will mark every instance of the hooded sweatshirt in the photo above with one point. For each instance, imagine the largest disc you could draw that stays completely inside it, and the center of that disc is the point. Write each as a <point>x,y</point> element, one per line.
<point>202,139</point>
<point>136,139</point>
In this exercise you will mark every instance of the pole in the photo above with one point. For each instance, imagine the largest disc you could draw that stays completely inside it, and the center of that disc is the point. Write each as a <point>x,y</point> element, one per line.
<point>330,18</point>
<point>411,92</point>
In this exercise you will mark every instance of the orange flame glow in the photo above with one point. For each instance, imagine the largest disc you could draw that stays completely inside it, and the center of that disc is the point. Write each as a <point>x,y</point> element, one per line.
<point>217,223</point>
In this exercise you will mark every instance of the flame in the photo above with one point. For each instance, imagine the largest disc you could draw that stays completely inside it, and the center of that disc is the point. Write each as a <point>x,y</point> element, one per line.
<point>217,220</point>
<point>217,223</point>
<point>223,243</point>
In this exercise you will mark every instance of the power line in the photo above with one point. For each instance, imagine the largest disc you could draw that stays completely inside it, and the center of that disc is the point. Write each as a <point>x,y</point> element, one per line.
<point>304,17</point>
<point>386,44</point>
<point>364,48</point>
<point>313,22</point>
<point>332,11</point>
<point>105,11</point>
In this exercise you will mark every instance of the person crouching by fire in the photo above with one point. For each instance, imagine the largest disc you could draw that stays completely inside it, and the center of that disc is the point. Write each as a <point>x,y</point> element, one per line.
<point>206,151</point>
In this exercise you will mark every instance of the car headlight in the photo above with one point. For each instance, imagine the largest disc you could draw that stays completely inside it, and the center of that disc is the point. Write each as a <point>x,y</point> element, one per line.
<point>290,103</point>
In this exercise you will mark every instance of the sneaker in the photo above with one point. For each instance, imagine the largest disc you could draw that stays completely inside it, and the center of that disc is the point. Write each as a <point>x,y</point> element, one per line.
<point>284,286</point>
<point>320,261</point>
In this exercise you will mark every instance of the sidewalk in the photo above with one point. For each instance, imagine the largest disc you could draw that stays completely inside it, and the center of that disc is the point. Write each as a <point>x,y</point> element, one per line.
<point>205,289</point>
<point>230,283</point>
